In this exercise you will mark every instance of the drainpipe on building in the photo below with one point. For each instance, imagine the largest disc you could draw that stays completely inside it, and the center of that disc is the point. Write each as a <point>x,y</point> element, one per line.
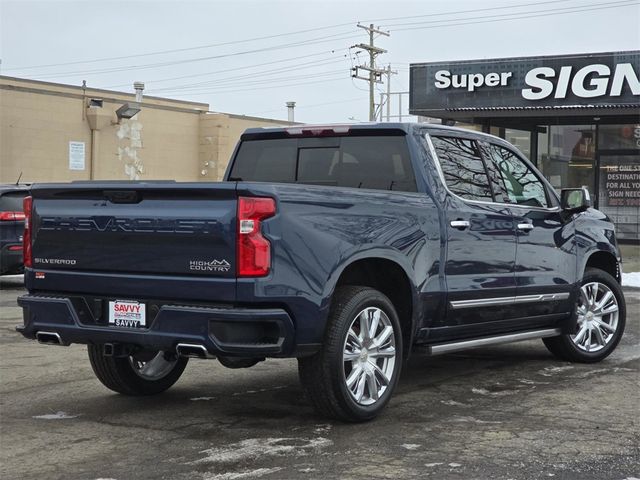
<point>290,110</point>
<point>97,119</point>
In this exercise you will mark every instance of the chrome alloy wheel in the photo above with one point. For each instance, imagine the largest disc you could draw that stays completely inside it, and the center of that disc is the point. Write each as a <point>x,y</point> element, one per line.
<point>152,366</point>
<point>369,355</point>
<point>597,317</point>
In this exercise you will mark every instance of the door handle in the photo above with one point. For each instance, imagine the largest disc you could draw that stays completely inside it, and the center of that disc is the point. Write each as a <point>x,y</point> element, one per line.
<point>460,224</point>
<point>525,227</point>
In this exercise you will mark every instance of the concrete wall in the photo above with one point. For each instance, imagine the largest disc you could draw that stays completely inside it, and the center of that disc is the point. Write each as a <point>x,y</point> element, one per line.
<point>168,139</point>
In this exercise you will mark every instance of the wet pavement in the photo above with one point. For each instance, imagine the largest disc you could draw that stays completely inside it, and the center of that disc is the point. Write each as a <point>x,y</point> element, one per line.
<point>504,412</point>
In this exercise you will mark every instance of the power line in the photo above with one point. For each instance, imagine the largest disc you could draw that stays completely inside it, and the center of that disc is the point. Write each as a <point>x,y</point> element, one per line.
<point>523,17</point>
<point>217,91</point>
<point>179,50</point>
<point>313,41</point>
<point>302,66</point>
<point>266,37</point>
<point>335,102</point>
<point>254,82</point>
<point>194,75</point>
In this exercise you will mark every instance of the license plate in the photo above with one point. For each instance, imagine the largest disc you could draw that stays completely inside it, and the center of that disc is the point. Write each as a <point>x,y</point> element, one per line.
<point>126,313</point>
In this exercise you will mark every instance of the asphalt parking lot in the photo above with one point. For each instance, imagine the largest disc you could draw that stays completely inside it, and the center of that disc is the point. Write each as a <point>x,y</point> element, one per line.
<point>506,412</point>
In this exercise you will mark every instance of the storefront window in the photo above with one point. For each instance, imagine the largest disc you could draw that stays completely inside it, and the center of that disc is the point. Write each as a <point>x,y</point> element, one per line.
<point>521,139</point>
<point>566,156</point>
<point>619,192</point>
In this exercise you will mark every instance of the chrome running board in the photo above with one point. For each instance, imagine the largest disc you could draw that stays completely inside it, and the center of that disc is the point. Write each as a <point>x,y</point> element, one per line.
<point>441,348</point>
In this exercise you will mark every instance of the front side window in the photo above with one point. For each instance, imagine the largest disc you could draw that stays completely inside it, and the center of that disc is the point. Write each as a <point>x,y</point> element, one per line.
<point>463,168</point>
<point>521,185</point>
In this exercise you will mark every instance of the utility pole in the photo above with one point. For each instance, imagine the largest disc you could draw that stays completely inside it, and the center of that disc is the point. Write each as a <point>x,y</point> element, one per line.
<point>389,72</point>
<point>375,74</point>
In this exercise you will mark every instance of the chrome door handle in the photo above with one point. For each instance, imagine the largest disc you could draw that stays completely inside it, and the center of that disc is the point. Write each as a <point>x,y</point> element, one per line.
<point>525,226</point>
<point>461,224</point>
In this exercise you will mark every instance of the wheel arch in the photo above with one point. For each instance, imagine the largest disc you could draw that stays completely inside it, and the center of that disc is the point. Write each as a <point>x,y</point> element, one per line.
<point>392,279</point>
<point>605,261</point>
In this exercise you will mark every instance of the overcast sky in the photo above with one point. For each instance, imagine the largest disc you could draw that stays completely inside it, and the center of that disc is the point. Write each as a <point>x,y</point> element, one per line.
<point>63,40</point>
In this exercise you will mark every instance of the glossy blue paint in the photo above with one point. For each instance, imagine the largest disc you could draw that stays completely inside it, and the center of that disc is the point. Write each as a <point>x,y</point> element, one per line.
<point>142,250</point>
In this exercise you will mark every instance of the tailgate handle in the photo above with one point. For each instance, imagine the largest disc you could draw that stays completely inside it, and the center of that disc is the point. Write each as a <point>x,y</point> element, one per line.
<point>123,196</point>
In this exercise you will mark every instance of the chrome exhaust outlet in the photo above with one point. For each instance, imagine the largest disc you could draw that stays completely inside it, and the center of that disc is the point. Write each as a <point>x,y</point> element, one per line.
<point>48,338</point>
<point>191,350</point>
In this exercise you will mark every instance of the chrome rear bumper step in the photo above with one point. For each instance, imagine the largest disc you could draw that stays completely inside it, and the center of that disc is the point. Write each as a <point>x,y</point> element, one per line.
<point>442,348</point>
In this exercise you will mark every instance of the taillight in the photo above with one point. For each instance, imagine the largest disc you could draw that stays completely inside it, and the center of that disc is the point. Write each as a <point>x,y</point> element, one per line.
<point>27,203</point>
<point>11,216</point>
<point>253,250</point>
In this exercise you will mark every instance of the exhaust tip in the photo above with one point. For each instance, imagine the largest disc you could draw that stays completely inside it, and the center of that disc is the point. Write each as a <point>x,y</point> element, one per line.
<point>48,338</point>
<point>191,350</point>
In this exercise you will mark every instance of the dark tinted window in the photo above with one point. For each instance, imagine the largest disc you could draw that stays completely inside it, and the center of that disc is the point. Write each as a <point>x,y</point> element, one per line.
<point>380,162</point>
<point>522,186</point>
<point>266,161</point>
<point>463,168</point>
<point>12,201</point>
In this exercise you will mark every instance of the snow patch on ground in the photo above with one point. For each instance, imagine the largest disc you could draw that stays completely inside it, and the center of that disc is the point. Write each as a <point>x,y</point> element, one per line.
<point>498,393</point>
<point>453,403</point>
<point>411,446</point>
<point>198,399</point>
<point>54,416</point>
<point>259,472</point>
<point>472,420</point>
<point>455,465</point>
<point>253,448</point>
<point>550,371</point>
<point>631,279</point>
<point>435,464</point>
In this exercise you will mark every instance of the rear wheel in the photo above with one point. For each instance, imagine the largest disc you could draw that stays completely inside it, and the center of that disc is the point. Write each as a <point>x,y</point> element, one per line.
<point>144,373</point>
<point>357,369</point>
<point>600,311</point>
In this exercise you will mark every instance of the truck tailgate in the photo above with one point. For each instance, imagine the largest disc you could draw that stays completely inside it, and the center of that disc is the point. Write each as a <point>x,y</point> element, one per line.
<point>162,228</point>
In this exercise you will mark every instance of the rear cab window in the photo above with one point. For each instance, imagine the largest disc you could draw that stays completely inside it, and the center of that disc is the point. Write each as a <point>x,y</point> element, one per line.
<point>380,162</point>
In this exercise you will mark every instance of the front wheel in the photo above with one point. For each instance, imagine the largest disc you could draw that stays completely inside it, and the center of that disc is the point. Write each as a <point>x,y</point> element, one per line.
<point>357,369</point>
<point>143,373</point>
<point>601,312</point>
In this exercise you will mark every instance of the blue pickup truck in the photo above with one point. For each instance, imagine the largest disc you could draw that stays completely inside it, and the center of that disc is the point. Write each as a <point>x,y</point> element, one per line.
<point>345,246</point>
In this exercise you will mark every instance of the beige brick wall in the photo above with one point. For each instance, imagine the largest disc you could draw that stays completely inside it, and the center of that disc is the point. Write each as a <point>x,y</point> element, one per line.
<point>167,140</point>
<point>228,128</point>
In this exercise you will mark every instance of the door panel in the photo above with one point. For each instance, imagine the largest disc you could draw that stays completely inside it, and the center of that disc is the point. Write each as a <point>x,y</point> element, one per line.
<point>545,263</point>
<point>481,239</point>
<point>480,263</point>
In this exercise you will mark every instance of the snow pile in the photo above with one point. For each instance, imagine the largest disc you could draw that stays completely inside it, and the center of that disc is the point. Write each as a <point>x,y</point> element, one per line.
<point>631,279</point>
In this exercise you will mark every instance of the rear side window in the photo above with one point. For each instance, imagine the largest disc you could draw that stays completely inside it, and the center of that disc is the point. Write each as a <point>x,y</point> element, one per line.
<point>463,168</point>
<point>374,162</point>
<point>12,201</point>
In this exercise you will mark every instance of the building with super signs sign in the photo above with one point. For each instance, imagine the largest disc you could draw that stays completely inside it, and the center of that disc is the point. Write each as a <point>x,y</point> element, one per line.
<point>577,117</point>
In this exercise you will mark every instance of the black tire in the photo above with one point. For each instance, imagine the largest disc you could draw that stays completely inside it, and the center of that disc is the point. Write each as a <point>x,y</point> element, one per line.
<point>564,347</point>
<point>323,375</point>
<point>118,373</point>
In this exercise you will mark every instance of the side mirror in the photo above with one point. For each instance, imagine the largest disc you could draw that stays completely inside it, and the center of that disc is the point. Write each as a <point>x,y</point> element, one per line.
<point>575,199</point>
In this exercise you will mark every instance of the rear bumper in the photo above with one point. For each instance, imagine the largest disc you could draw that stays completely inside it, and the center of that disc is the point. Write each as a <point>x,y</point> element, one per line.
<point>228,331</point>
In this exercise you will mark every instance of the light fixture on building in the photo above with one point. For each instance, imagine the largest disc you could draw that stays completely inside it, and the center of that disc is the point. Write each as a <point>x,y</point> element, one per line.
<point>128,110</point>
<point>131,109</point>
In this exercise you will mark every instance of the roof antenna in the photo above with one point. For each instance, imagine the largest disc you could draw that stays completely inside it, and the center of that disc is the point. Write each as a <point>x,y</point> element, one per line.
<point>19,177</point>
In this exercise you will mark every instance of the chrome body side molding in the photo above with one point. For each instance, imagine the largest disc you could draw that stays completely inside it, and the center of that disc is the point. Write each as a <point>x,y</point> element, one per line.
<point>488,302</point>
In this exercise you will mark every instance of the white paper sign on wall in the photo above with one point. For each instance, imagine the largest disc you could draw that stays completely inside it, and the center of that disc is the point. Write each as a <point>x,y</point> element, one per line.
<point>76,156</point>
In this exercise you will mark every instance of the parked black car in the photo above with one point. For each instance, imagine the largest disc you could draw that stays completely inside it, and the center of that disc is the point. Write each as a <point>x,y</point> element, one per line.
<point>11,227</point>
<point>343,246</point>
